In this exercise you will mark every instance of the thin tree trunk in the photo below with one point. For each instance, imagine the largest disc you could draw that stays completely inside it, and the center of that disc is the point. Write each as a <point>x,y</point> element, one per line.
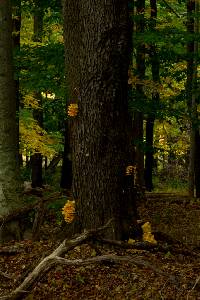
<point>50,169</point>
<point>138,115</point>
<point>155,69</point>
<point>45,163</point>
<point>16,27</point>
<point>197,164</point>
<point>149,154</point>
<point>97,38</point>
<point>190,95</point>
<point>197,96</point>
<point>36,159</point>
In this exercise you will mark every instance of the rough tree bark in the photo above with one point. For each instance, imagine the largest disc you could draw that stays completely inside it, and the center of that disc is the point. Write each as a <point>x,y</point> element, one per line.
<point>66,172</point>
<point>97,37</point>
<point>9,185</point>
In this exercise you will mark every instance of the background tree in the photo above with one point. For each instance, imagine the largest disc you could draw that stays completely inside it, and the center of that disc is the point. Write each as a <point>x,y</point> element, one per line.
<point>41,71</point>
<point>140,95</point>
<point>197,99</point>
<point>155,69</point>
<point>16,27</point>
<point>9,172</point>
<point>190,92</point>
<point>36,158</point>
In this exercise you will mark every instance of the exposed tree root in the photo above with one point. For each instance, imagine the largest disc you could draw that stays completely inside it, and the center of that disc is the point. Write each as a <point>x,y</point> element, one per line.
<point>141,245</point>
<point>55,258</point>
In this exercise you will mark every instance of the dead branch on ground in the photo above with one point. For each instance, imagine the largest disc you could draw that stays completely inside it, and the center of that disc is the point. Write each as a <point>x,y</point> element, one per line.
<point>48,262</point>
<point>27,208</point>
<point>55,258</point>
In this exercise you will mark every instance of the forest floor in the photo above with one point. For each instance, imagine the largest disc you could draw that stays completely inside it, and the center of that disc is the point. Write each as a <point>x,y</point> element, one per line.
<point>175,273</point>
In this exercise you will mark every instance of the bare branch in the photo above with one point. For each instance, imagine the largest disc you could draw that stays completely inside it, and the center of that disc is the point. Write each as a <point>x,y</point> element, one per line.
<point>48,262</point>
<point>53,260</point>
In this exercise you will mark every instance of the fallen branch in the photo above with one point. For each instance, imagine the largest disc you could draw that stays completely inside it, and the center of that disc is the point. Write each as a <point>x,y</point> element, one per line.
<point>26,209</point>
<point>48,262</point>
<point>136,260</point>
<point>53,260</point>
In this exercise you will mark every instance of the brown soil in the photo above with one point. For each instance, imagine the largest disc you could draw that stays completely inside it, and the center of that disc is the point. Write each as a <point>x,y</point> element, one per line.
<point>175,215</point>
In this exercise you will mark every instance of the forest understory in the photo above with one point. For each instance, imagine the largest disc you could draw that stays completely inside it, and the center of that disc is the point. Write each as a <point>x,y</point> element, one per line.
<point>168,270</point>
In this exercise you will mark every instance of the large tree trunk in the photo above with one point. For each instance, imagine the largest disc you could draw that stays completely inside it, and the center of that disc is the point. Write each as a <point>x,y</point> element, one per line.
<point>97,38</point>
<point>36,159</point>
<point>9,175</point>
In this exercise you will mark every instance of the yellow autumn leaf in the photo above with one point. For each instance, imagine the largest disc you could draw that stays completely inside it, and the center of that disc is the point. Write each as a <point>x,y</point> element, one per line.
<point>30,101</point>
<point>35,139</point>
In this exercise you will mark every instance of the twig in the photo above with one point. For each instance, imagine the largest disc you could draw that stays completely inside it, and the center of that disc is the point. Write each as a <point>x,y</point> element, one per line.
<point>53,260</point>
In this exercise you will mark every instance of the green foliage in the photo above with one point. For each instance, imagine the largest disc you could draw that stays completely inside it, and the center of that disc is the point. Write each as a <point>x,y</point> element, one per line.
<point>35,139</point>
<point>29,6</point>
<point>40,69</point>
<point>169,185</point>
<point>169,37</point>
